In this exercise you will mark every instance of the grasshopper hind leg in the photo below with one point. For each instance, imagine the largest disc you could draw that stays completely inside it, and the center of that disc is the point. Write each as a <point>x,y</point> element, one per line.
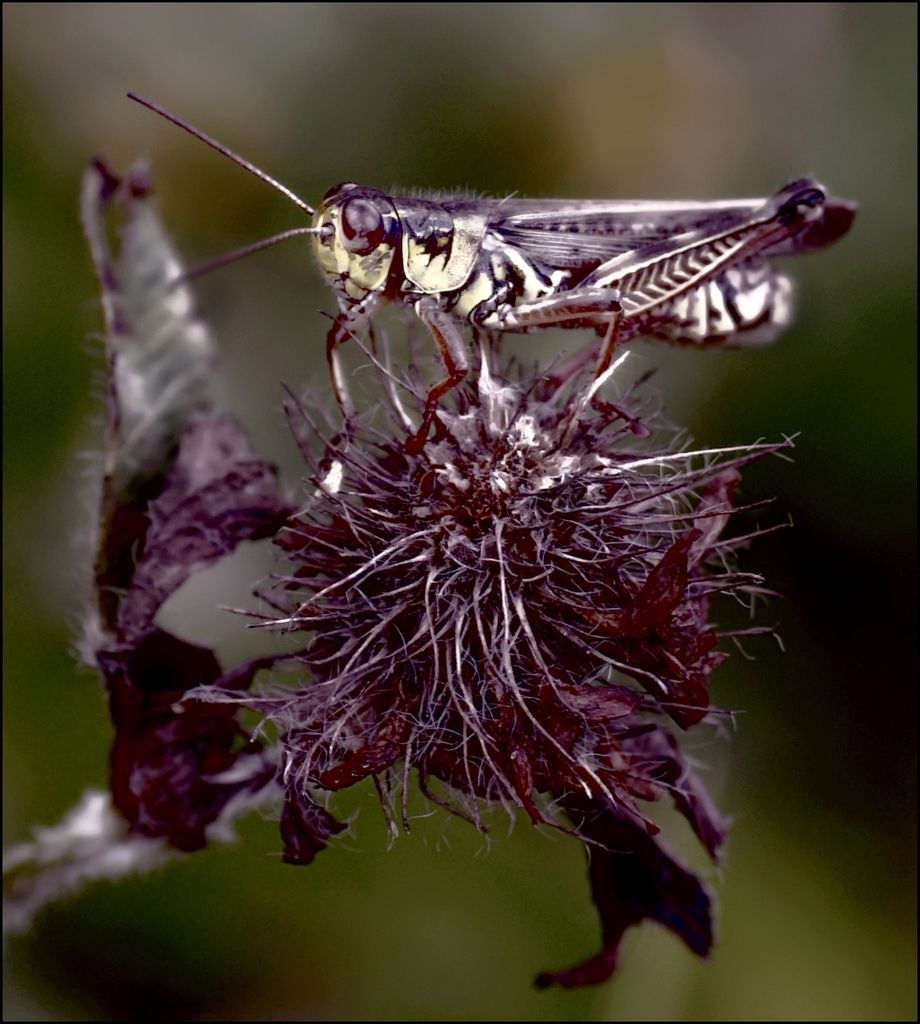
<point>611,336</point>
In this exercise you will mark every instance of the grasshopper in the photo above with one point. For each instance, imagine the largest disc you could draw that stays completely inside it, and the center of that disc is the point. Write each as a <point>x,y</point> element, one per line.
<point>689,273</point>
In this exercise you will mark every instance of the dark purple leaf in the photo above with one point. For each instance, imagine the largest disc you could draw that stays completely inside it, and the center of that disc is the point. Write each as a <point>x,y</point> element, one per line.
<point>632,878</point>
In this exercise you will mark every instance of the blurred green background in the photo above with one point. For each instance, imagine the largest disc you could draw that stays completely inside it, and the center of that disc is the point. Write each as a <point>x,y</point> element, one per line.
<point>817,899</point>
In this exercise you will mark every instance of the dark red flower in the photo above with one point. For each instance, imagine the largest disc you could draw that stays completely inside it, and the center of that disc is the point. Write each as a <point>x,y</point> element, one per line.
<point>513,614</point>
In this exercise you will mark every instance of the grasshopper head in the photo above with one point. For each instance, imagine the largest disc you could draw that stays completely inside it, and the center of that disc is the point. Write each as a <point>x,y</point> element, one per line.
<point>356,239</point>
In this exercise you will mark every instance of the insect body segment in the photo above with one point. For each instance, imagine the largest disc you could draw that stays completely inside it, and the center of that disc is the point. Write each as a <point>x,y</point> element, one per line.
<point>691,273</point>
<point>686,273</point>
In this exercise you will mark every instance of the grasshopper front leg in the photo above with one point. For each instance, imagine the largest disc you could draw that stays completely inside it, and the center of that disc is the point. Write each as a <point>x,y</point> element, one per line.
<point>343,327</point>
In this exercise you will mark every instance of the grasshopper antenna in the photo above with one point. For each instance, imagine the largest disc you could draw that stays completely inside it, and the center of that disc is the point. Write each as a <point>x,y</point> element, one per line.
<point>238,254</point>
<point>246,250</point>
<point>214,144</point>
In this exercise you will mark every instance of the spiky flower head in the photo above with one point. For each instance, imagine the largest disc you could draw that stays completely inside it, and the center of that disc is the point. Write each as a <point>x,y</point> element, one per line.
<point>514,614</point>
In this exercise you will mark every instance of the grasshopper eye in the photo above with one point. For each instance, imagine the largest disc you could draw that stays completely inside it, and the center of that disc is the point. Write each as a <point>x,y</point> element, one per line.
<point>362,226</point>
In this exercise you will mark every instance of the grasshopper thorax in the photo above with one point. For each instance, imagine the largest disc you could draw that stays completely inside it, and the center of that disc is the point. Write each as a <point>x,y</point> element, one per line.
<point>356,238</point>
